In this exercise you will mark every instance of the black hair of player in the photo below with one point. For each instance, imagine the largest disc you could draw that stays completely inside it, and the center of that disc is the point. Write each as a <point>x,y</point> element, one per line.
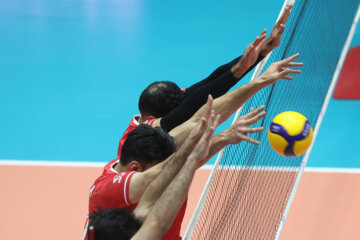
<point>147,145</point>
<point>112,224</point>
<point>160,98</point>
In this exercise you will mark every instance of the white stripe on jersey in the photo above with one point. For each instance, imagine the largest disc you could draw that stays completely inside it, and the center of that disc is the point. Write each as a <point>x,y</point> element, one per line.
<point>126,200</point>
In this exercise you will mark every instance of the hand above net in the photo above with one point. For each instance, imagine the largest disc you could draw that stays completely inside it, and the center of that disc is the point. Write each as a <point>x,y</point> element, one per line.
<point>275,36</point>
<point>278,70</point>
<point>241,127</point>
<point>250,56</point>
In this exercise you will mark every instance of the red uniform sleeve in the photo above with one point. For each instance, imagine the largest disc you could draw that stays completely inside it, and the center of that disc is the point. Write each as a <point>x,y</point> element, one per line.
<point>110,191</point>
<point>124,181</point>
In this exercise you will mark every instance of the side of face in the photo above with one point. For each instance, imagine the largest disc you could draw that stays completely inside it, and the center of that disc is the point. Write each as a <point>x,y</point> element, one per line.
<point>145,147</point>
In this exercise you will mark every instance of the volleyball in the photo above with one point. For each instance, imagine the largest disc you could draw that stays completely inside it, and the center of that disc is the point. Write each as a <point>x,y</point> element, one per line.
<point>290,134</point>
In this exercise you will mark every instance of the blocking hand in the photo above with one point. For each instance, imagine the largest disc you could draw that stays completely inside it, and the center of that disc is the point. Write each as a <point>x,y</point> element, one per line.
<point>279,70</point>
<point>241,127</point>
<point>275,36</point>
<point>250,56</point>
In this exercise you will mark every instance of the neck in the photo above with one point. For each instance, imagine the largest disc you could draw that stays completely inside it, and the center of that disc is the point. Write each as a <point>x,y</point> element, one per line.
<point>119,168</point>
<point>143,118</point>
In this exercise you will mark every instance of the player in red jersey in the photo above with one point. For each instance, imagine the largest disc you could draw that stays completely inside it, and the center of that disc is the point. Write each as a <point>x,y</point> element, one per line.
<point>122,187</point>
<point>225,106</point>
<point>171,106</point>
<point>163,197</point>
<point>204,130</point>
<point>159,99</point>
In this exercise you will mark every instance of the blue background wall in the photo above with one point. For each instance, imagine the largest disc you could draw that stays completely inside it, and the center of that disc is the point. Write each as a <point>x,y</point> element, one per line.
<point>71,71</point>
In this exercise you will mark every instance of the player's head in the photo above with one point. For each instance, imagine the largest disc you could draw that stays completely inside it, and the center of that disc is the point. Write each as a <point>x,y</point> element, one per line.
<point>146,146</point>
<point>159,98</point>
<point>112,224</point>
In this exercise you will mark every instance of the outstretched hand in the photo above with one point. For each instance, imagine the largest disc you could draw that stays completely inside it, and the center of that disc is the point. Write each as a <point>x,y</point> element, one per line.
<point>241,127</point>
<point>275,36</point>
<point>201,150</point>
<point>200,127</point>
<point>250,55</point>
<point>279,70</point>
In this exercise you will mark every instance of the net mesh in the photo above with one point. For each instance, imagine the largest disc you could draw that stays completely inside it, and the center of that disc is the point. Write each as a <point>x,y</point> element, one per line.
<point>252,184</point>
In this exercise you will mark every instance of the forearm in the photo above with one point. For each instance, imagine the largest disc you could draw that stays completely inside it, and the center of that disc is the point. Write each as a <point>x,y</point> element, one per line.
<point>215,74</point>
<point>157,186</point>
<point>228,104</point>
<point>225,106</point>
<point>198,98</point>
<point>216,88</point>
<point>170,202</point>
<point>141,180</point>
<point>218,142</point>
<point>240,72</point>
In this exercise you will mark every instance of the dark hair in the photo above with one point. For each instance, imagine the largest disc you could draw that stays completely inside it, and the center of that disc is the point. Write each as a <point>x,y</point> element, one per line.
<point>112,224</point>
<point>160,98</point>
<point>146,145</point>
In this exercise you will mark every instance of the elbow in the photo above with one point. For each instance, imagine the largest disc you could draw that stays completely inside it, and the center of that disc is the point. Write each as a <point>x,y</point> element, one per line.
<point>142,212</point>
<point>161,225</point>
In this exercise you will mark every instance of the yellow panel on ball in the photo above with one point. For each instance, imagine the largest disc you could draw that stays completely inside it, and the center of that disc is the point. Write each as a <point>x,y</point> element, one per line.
<point>290,134</point>
<point>301,146</point>
<point>293,122</point>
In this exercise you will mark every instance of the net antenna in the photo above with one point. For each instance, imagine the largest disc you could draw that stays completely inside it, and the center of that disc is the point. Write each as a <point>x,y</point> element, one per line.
<point>289,171</point>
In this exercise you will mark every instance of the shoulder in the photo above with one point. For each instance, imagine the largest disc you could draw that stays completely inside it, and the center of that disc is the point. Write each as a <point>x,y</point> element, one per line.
<point>135,121</point>
<point>112,190</point>
<point>109,167</point>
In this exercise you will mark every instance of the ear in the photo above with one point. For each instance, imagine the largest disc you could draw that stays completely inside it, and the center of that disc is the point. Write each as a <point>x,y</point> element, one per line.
<point>135,166</point>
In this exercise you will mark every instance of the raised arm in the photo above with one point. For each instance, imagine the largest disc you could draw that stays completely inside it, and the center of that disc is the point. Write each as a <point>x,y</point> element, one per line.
<point>164,211</point>
<point>166,172</point>
<point>216,88</point>
<point>275,36</point>
<point>236,133</point>
<point>227,104</point>
<point>233,71</point>
<point>141,180</point>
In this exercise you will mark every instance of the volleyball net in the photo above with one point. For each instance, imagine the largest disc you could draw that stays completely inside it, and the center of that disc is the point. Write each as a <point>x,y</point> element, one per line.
<point>250,189</point>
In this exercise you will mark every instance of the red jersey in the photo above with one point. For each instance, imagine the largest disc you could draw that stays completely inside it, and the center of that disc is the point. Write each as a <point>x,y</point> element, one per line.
<point>111,190</point>
<point>134,123</point>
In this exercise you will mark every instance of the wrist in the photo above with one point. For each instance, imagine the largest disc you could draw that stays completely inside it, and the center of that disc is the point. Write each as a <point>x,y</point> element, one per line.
<point>222,139</point>
<point>257,83</point>
<point>192,161</point>
<point>265,50</point>
<point>237,71</point>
